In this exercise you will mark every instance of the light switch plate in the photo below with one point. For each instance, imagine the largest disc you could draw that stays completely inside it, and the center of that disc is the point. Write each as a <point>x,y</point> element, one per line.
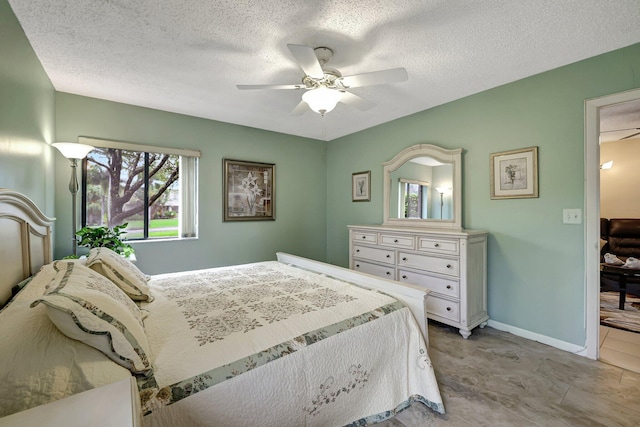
<point>572,216</point>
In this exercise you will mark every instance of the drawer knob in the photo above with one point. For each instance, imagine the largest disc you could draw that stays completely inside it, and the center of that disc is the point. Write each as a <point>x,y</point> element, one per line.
<point>404,258</point>
<point>388,273</point>
<point>437,245</point>
<point>358,265</point>
<point>449,266</point>
<point>388,256</point>
<point>448,286</point>
<point>364,237</point>
<point>395,241</point>
<point>357,250</point>
<point>448,308</point>
<point>404,276</point>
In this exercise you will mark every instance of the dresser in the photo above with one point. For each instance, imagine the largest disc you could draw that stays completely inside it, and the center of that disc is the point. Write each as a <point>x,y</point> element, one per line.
<point>451,263</point>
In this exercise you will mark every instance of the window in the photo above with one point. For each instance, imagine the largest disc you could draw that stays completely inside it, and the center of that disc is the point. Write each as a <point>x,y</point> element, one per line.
<point>414,197</point>
<point>152,189</point>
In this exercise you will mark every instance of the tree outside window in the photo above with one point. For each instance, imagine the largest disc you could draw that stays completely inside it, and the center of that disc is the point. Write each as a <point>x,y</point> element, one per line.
<point>134,187</point>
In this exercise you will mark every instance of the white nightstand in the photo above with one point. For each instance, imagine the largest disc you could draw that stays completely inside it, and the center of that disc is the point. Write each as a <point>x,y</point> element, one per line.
<point>113,405</point>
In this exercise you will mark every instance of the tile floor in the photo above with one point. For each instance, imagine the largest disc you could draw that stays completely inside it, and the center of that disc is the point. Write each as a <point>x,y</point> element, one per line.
<point>620,348</point>
<point>498,379</point>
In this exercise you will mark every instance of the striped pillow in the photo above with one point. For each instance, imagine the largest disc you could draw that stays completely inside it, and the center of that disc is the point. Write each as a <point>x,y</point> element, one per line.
<point>120,271</point>
<point>89,308</point>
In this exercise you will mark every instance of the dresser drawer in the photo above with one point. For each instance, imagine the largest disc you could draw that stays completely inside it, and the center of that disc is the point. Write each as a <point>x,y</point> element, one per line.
<point>443,246</point>
<point>374,254</point>
<point>375,269</point>
<point>440,285</point>
<point>450,267</point>
<point>443,308</point>
<point>360,236</point>
<point>397,241</point>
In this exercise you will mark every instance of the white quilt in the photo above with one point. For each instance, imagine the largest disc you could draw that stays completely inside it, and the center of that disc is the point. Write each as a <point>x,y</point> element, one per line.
<point>38,364</point>
<point>273,345</point>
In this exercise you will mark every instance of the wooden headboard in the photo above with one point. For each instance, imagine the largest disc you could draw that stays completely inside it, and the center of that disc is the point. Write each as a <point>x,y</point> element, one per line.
<point>25,240</point>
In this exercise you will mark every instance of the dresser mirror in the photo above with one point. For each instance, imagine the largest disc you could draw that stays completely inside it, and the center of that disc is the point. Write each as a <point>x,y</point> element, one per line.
<point>423,187</point>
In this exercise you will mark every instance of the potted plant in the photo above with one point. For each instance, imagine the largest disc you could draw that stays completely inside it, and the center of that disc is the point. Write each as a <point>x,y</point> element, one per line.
<point>97,237</point>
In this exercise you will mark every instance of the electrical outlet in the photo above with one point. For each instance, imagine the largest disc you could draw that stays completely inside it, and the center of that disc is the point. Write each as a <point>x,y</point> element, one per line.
<point>572,216</point>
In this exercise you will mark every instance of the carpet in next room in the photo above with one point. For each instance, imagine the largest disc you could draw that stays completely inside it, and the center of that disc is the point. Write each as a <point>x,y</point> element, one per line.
<point>611,316</point>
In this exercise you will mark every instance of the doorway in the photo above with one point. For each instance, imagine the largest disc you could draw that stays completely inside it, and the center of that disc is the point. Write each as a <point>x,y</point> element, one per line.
<point>592,215</point>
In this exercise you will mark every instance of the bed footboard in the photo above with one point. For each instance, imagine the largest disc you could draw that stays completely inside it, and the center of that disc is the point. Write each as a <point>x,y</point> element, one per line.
<point>413,297</point>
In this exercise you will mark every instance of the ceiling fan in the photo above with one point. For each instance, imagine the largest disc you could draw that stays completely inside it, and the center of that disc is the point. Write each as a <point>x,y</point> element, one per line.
<point>324,87</point>
<point>618,134</point>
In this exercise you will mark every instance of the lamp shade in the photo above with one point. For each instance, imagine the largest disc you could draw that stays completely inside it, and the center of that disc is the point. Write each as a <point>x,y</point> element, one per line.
<point>72,150</point>
<point>322,100</point>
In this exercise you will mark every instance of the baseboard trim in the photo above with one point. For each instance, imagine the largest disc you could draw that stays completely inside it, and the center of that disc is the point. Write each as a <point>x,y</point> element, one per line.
<point>553,342</point>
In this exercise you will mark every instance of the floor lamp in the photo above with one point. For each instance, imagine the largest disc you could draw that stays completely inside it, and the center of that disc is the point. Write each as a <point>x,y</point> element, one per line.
<point>73,152</point>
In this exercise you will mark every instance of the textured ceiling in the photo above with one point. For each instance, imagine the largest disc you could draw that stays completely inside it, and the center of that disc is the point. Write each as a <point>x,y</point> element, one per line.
<point>620,121</point>
<point>187,56</point>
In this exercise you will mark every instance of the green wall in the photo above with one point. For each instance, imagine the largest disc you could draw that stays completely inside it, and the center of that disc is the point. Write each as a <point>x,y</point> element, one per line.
<point>26,116</point>
<point>536,271</point>
<point>536,268</point>
<point>300,222</point>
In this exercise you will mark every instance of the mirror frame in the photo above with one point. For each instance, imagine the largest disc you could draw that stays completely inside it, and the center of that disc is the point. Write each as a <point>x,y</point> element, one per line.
<point>442,155</point>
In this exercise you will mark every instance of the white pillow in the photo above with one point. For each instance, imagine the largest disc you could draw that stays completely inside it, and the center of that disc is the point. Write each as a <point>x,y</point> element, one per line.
<point>89,308</point>
<point>120,271</point>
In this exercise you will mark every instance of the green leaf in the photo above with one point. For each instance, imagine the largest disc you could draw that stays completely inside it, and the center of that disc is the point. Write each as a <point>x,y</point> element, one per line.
<point>96,237</point>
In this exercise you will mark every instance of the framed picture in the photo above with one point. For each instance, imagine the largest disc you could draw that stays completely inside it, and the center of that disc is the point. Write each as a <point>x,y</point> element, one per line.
<point>249,190</point>
<point>361,187</point>
<point>514,174</point>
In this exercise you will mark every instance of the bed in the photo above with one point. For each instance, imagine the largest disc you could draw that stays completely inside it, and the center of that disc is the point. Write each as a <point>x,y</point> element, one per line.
<point>278,343</point>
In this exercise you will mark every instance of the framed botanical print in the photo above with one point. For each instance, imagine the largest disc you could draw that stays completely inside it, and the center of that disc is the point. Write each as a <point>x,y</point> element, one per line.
<point>361,187</point>
<point>514,174</point>
<point>249,190</point>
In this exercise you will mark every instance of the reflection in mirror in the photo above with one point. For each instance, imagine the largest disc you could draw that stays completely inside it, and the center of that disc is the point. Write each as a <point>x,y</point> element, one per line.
<point>422,187</point>
<point>419,190</point>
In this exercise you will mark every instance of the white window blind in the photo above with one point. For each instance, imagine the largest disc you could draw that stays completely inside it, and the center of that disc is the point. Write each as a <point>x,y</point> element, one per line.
<point>106,143</point>
<point>189,196</point>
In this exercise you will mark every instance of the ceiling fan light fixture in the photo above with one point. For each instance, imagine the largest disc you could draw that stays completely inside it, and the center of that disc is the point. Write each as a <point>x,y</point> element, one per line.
<point>607,165</point>
<point>322,99</point>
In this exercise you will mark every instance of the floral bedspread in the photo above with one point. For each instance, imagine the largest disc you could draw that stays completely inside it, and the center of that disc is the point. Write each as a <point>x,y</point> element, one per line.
<point>271,344</point>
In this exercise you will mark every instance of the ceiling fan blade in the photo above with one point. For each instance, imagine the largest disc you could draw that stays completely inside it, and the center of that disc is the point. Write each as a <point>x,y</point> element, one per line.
<point>618,130</point>
<point>306,58</point>
<point>251,87</point>
<point>357,101</point>
<point>630,136</point>
<point>392,75</point>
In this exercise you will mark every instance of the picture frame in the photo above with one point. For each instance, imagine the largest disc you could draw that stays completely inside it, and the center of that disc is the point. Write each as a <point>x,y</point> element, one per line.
<point>249,190</point>
<point>514,174</point>
<point>361,186</point>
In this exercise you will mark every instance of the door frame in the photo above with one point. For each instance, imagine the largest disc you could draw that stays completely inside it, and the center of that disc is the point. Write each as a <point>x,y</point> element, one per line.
<point>592,214</point>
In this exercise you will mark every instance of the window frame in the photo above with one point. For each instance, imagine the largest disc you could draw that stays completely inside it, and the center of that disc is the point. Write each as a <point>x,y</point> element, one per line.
<point>188,180</point>
<point>423,197</point>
